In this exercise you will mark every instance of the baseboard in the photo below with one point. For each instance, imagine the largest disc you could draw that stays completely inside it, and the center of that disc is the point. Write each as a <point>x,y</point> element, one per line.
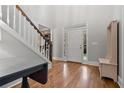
<point>92,63</point>
<point>50,65</point>
<point>120,83</point>
<point>20,81</point>
<point>59,58</point>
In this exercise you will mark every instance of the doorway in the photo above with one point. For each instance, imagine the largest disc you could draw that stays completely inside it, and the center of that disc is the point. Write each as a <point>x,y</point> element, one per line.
<point>75,46</point>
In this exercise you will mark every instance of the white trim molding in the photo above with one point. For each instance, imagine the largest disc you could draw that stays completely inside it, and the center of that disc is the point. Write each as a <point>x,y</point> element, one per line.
<point>59,58</point>
<point>92,63</point>
<point>0,11</point>
<point>120,83</point>
<point>0,34</point>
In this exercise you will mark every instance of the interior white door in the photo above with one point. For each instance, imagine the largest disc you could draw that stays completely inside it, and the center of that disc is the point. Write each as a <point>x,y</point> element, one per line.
<point>75,45</point>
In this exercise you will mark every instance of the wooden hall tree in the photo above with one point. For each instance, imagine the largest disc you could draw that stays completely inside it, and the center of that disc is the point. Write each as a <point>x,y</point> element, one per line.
<point>108,65</point>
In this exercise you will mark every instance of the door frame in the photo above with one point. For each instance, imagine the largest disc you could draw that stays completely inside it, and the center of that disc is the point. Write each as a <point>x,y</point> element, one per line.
<point>83,28</point>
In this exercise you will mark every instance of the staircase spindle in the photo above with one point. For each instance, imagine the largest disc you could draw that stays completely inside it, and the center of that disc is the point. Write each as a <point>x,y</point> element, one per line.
<point>0,18</point>
<point>35,43</point>
<point>35,40</point>
<point>42,45</point>
<point>14,17</point>
<point>38,42</point>
<point>32,36</point>
<point>41,41</point>
<point>4,13</point>
<point>17,21</point>
<point>11,16</point>
<point>8,14</point>
<point>28,29</point>
<point>0,11</point>
<point>0,34</point>
<point>29,35</point>
<point>24,26</point>
<point>20,23</point>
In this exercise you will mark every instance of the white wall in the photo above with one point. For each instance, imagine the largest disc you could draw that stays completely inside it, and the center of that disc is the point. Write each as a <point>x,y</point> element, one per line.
<point>65,16</point>
<point>33,12</point>
<point>98,20</point>
<point>97,17</point>
<point>43,14</point>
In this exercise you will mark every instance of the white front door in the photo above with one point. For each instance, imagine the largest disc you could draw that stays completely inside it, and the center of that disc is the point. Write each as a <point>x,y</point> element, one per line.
<point>75,45</point>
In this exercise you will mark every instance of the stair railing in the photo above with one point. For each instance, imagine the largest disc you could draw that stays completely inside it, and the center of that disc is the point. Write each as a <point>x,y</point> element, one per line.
<point>18,20</point>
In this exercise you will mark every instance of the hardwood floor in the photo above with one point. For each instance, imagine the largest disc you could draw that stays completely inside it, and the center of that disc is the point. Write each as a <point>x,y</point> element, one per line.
<point>73,75</point>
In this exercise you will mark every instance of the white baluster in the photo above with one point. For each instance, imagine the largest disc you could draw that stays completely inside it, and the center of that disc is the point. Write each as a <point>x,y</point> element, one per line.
<point>41,41</point>
<point>38,44</point>
<point>11,16</point>
<point>43,44</point>
<point>0,11</point>
<point>14,17</point>
<point>32,37</point>
<point>8,14</point>
<point>32,32</point>
<point>36,40</point>
<point>17,21</point>
<point>22,26</point>
<point>24,30</point>
<point>20,23</point>
<point>0,34</point>
<point>29,28</point>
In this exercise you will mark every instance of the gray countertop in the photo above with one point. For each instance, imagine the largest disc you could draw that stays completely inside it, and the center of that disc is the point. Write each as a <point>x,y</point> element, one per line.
<point>15,64</point>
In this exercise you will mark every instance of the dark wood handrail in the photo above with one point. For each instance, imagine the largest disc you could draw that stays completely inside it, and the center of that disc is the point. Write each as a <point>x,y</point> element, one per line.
<point>28,19</point>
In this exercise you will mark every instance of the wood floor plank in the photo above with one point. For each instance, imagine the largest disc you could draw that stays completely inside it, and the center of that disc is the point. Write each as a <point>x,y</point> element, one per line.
<point>73,75</point>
